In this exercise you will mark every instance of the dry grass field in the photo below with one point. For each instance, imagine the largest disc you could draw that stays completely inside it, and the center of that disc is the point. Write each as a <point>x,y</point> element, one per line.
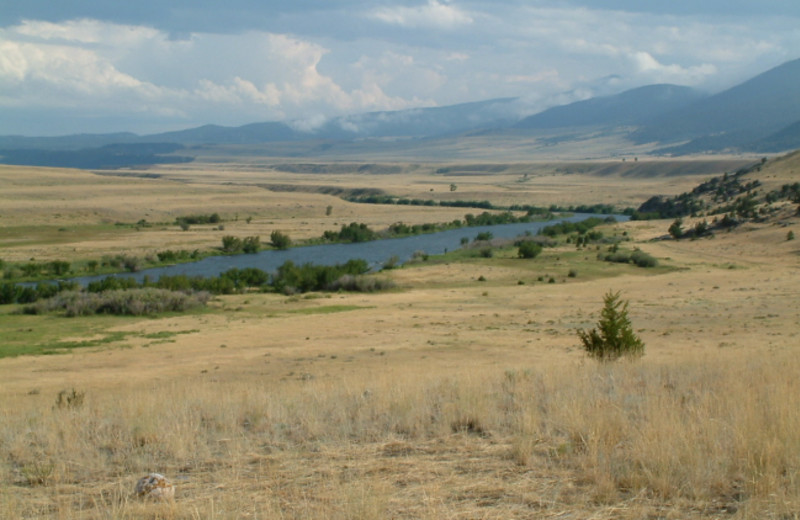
<point>50,214</point>
<point>448,397</point>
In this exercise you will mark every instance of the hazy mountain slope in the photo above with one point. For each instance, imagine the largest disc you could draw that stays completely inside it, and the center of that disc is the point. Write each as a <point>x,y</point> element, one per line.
<point>66,142</point>
<point>110,156</point>
<point>786,139</point>
<point>736,117</point>
<point>423,122</point>
<point>247,134</point>
<point>628,108</point>
<point>412,123</point>
<point>761,115</point>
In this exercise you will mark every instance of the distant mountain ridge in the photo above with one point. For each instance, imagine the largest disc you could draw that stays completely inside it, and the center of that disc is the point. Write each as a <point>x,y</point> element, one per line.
<point>759,115</point>
<point>631,107</point>
<point>423,122</point>
<point>738,118</point>
<point>411,123</point>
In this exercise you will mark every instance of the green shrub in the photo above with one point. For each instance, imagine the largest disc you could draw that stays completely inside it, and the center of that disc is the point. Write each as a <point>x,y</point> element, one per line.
<point>676,228</point>
<point>131,302</point>
<point>59,267</point>
<point>529,249</point>
<point>352,232</point>
<point>700,229</point>
<point>15,293</point>
<point>419,256</point>
<point>642,259</point>
<point>620,257</point>
<point>31,269</point>
<point>231,244</point>
<point>582,227</point>
<point>361,283</point>
<point>614,336</point>
<point>213,218</point>
<point>637,257</point>
<point>251,245</point>
<point>291,278</point>
<point>391,263</point>
<point>280,240</point>
<point>131,263</point>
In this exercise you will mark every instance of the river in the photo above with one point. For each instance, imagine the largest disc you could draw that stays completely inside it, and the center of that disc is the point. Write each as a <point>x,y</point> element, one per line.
<point>376,253</point>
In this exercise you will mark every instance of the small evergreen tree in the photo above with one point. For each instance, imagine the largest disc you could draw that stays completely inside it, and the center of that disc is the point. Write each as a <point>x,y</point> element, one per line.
<point>676,229</point>
<point>700,229</point>
<point>614,336</point>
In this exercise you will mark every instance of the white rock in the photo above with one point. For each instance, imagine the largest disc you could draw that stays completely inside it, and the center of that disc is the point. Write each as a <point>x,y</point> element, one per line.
<point>155,485</point>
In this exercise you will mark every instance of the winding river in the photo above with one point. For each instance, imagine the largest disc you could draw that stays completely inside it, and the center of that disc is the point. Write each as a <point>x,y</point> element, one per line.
<point>376,253</point>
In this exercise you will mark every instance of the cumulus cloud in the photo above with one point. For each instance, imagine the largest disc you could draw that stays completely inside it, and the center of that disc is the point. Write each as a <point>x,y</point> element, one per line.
<point>310,61</point>
<point>434,14</point>
<point>65,69</point>
<point>93,64</point>
<point>238,92</point>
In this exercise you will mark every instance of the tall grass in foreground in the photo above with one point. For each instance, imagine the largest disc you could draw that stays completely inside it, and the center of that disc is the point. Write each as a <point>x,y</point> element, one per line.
<point>689,434</point>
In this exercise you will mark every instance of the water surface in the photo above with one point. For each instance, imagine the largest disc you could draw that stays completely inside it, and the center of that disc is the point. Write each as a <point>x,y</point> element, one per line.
<point>376,253</point>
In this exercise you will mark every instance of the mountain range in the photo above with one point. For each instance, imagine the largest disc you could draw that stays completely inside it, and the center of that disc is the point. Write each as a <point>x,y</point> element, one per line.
<point>760,115</point>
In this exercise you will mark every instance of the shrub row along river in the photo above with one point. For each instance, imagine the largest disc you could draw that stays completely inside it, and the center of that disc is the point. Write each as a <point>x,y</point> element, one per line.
<point>376,253</point>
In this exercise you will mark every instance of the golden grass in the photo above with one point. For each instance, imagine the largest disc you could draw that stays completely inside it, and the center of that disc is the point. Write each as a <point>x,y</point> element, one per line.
<point>448,398</point>
<point>696,438</point>
<point>59,214</point>
<point>468,400</point>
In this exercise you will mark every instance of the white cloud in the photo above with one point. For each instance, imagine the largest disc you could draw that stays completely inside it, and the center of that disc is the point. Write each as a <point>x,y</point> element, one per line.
<point>434,14</point>
<point>13,63</point>
<point>86,31</point>
<point>63,67</point>
<point>309,123</point>
<point>323,63</point>
<point>238,92</point>
<point>408,77</point>
<point>649,67</point>
<point>549,75</point>
<point>246,77</point>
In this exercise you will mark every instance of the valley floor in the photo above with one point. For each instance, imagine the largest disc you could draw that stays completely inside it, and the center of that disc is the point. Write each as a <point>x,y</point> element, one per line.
<point>449,397</point>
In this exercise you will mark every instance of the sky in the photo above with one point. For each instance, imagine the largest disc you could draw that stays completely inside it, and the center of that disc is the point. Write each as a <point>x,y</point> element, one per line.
<point>146,66</point>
